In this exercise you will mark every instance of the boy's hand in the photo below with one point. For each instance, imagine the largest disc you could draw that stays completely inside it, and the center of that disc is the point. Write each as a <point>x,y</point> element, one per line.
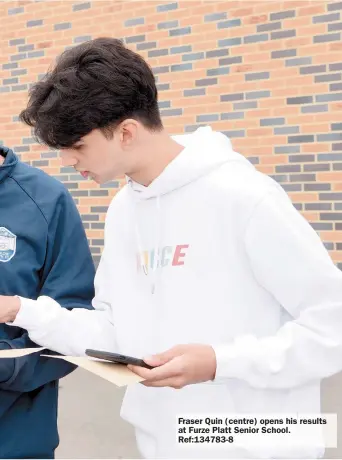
<point>180,366</point>
<point>9,308</point>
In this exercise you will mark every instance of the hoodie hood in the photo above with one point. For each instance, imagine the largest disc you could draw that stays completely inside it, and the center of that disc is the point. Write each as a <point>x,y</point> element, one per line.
<point>10,162</point>
<point>204,150</point>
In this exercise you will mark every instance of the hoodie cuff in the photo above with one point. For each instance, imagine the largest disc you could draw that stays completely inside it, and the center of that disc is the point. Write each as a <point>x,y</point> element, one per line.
<point>248,356</point>
<point>234,360</point>
<point>228,364</point>
<point>28,314</point>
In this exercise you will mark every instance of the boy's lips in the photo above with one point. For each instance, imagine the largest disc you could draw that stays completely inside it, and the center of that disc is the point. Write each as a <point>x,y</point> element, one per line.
<point>84,174</point>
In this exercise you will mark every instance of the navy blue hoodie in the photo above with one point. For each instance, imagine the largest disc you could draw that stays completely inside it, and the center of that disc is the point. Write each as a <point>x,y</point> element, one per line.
<point>43,251</point>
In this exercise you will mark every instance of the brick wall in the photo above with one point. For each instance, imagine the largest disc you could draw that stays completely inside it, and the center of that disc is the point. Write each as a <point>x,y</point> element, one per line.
<point>267,73</point>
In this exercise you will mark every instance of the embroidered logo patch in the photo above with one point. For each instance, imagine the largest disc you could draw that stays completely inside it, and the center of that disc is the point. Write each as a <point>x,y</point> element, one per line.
<point>8,243</point>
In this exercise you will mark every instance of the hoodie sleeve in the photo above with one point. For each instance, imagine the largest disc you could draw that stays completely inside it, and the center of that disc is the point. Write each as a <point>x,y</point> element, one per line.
<point>71,332</point>
<point>68,277</point>
<point>289,260</point>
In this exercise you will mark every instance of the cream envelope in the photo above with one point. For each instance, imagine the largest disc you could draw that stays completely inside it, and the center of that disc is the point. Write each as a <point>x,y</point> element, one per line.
<point>114,373</point>
<point>18,352</point>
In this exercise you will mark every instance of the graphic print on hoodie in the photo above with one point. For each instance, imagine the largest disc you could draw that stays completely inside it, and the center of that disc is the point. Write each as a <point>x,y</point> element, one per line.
<point>167,255</point>
<point>257,284</point>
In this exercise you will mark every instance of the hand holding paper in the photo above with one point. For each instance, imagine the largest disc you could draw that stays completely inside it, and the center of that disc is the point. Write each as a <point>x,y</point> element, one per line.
<point>180,366</point>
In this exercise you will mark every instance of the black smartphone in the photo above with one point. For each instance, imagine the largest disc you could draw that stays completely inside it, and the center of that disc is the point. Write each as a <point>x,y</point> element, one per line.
<point>116,358</point>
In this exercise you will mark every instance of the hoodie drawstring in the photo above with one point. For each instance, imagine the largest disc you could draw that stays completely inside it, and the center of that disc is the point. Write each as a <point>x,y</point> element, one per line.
<point>156,256</point>
<point>156,268</point>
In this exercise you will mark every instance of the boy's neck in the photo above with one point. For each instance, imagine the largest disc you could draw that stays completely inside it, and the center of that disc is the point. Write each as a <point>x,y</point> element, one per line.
<point>162,152</point>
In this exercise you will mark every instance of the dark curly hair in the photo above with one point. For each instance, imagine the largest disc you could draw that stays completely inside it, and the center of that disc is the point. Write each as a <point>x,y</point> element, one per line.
<point>96,84</point>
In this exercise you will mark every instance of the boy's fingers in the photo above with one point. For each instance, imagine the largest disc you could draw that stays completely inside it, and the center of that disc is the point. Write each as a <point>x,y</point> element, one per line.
<point>158,373</point>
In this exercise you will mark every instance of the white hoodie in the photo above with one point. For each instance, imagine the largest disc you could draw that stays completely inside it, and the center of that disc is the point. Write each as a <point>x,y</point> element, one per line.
<point>238,267</point>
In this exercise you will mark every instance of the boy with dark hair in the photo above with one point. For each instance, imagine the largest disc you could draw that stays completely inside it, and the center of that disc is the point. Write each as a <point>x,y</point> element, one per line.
<point>200,250</point>
<point>43,251</point>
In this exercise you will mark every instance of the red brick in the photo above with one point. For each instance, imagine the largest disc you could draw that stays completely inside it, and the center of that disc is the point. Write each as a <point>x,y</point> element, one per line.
<point>331,176</point>
<point>313,29</point>
<point>244,123</point>
<point>274,140</point>
<point>311,10</point>
<point>336,106</point>
<point>286,72</point>
<point>265,150</point>
<point>242,50</point>
<point>258,113</point>
<point>290,110</point>
<point>335,47</point>
<point>270,46</point>
<point>300,197</point>
<point>241,12</point>
<point>297,23</point>
<point>327,58</point>
<point>298,42</point>
<point>258,19</point>
<point>316,128</point>
<point>224,6</point>
<point>335,255</point>
<point>44,45</point>
<point>204,44</point>
<point>317,49</point>
<point>301,81</point>
<point>328,117</point>
<point>205,63</point>
<point>274,160</point>
<point>300,119</point>
<point>311,216</point>
<point>286,92</point>
<point>267,7</point>
<point>198,9</point>
<point>145,28</point>
<point>272,102</point>
<point>257,57</point>
<point>266,169</point>
<point>331,236</point>
<point>267,131</point>
<point>315,148</point>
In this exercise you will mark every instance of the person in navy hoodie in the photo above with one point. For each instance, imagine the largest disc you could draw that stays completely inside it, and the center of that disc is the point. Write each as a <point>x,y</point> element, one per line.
<point>43,251</point>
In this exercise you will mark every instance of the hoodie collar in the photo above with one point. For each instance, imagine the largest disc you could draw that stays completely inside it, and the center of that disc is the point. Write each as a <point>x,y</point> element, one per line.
<point>204,151</point>
<point>10,162</point>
